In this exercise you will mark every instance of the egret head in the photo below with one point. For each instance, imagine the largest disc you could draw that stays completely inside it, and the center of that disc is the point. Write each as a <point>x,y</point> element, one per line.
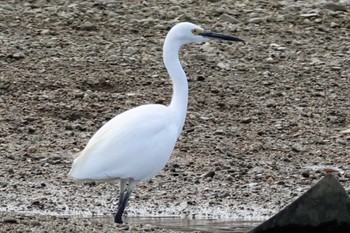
<point>187,33</point>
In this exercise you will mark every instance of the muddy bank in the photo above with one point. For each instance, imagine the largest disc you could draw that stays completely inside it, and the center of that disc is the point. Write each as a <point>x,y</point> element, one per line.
<point>263,123</point>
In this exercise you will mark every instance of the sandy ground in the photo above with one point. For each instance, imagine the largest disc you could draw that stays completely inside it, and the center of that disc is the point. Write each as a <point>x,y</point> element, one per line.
<point>264,120</point>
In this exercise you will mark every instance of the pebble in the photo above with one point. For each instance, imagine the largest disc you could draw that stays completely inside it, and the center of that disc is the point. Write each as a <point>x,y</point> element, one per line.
<point>32,149</point>
<point>210,174</point>
<point>270,60</point>
<point>309,15</point>
<point>87,26</point>
<point>246,120</point>
<point>277,47</point>
<point>341,141</point>
<point>297,147</point>
<point>31,129</point>
<point>9,220</point>
<point>271,103</point>
<point>334,6</point>
<point>36,224</point>
<point>18,55</point>
<point>7,7</point>
<point>347,131</point>
<point>11,171</point>
<point>306,173</point>
<point>68,126</point>
<point>335,65</point>
<point>200,78</point>
<point>333,25</point>
<point>255,20</point>
<point>45,32</point>
<point>228,18</point>
<point>223,65</point>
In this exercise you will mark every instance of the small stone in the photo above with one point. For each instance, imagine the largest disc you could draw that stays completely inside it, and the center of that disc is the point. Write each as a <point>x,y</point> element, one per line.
<point>297,147</point>
<point>32,150</point>
<point>79,127</point>
<point>255,20</point>
<point>228,18</point>
<point>335,65</point>
<point>31,129</point>
<point>345,131</point>
<point>148,227</point>
<point>341,141</point>
<point>318,20</point>
<point>271,104</point>
<point>200,78</point>
<point>309,15</point>
<point>210,174</point>
<point>270,60</point>
<point>18,55</point>
<point>68,127</point>
<point>333,25</point>
<point>223,65</point>
<point>45,32</point>
<point>246,120</point>
<point>334,6</point>
<point>132,50</point>
<point>36,224</point>
<point>87,26</point>
<point>278,47</point>
<point>9,220</point>
<point>306,173</point>
<point>7,7</point>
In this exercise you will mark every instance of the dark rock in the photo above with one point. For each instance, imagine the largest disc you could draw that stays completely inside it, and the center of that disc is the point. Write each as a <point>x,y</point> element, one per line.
<point>87,26</point>
<point>9,220</point>
<point>306,173</point>
<point>246,120</point>
<point>200,78</point>
<point>322,209</point>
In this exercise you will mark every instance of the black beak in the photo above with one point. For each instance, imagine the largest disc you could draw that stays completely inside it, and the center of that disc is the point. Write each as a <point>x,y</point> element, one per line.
<point>221,36</point>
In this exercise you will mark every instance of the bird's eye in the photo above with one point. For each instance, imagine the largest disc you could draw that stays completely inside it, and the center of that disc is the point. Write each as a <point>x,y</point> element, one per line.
<point>196,31</point>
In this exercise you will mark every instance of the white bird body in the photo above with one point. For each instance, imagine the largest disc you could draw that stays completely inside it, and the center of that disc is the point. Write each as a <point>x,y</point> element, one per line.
<point>131,145</point>
<point>137,144</point>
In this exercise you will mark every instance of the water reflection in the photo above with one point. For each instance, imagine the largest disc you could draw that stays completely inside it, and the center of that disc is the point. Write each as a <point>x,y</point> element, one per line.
<point>202,225</point>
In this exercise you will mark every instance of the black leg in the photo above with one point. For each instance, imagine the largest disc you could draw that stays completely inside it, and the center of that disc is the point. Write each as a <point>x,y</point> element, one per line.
<point>122,191</point>
<point>121,197</point>
<point>123,200</point>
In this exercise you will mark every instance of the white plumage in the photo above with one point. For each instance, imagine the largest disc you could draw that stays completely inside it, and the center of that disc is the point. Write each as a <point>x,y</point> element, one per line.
<point>131,145</point>
<point>137,144</point>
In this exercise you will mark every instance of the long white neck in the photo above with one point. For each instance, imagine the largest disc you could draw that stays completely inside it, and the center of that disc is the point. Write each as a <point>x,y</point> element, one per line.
<point>178,77</point>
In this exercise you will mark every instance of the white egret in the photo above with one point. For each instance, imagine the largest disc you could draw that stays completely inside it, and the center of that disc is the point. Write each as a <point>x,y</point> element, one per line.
<point>136,144</point>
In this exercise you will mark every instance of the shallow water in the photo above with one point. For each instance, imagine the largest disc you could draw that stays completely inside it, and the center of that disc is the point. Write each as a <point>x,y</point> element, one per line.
<point>202,225</point>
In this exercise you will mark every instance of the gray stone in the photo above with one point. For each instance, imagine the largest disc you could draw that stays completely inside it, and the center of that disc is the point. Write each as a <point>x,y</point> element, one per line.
<point>228,18</point>
<point>334,6</point>
<point>10,220</point>
<point>255,20</point>
<point>87,26</point>
<point>210,174</point>
<point>322,209</point>
<point>309,15</point>
<point>18,55</point>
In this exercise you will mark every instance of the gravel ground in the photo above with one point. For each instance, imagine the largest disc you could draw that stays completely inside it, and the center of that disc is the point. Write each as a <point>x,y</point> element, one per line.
<point>264,120</point>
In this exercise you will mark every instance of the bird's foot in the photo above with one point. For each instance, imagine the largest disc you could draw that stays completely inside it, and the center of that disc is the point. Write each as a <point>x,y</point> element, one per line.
<point>118,218</point>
